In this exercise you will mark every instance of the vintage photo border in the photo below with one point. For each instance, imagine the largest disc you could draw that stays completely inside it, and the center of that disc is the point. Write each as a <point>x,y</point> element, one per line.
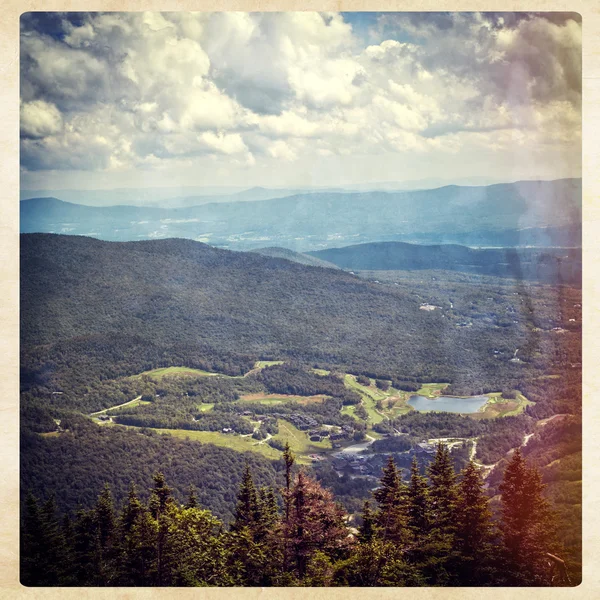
<point>9,298</point>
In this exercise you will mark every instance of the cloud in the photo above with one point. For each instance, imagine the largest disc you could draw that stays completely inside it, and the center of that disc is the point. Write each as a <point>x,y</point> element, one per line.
<point>40,119</point>
<point>114,91</point>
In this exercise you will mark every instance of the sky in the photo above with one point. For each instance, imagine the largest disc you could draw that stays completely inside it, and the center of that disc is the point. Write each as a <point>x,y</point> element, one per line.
<point>111,100</point>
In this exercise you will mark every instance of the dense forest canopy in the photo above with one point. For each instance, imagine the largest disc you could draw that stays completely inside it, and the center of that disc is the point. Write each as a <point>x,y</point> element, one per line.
<point>435,530</point>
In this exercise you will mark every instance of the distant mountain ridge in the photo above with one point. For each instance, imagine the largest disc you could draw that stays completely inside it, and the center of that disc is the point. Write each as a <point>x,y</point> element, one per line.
<point>548,265</point>
<point>545,213</point>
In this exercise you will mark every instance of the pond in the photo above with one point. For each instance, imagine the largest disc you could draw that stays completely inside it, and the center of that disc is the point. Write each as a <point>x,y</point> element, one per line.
<point>448,404</point>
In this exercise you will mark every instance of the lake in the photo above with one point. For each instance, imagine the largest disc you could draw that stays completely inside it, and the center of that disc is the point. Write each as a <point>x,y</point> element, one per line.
<point>448,404</point>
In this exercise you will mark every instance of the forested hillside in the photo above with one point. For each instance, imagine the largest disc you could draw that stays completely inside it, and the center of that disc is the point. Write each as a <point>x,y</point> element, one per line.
<point>548,265</point>
<point>94,310</point>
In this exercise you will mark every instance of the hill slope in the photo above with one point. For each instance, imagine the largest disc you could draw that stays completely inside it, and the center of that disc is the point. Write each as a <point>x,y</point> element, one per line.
<point>93,309</point>
<point>550,265</point>
<point>298,257</point>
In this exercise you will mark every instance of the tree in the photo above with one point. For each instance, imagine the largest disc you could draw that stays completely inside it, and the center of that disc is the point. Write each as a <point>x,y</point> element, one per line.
<point>252,545</point>
<point>418,502</point>
<point>361,412</point>
<point>246,512</point>
<point>367,529</point>
<point>438,549</point>
<point>316,523</point>
<point>528,526</point>
<point>473,536</point>
<point>193,553</point>
<point>160,503</point>
<point>138,542</point>
<point>45,559</point>
<point>105,525</point>
<point>288,460</point>
<point>392,515</point>
<point>192,501</point>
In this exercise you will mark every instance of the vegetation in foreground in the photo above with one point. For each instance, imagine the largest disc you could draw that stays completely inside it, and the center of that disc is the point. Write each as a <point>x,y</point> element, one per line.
<point>434,531</point>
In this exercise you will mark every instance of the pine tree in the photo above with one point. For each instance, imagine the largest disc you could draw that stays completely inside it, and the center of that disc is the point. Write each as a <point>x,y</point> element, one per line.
<point>528,526</point>
<point>141,543</point>
<point>473,535</point>
<point>138,531</point>
<point>253,543</point>
<point>392,516</point>
<point>418,502</point>
<point>160,503</point>
<point>105,526</point>
<point>45,558</point>
<point>161,496</point>
<point>438,553</point>
<point>267,524</point>
<point>367,529</point>
<point>288,461</point>
<point>316,523</point>
<point>192,501</point>
<point>247,510</point>
<point>443,490</point>
<point>133,507</point>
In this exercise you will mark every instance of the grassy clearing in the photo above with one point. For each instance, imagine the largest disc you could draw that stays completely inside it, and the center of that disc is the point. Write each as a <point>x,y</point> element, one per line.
<point>398,405</point>
<point>136,402</point>
<point>321,372</point>
<point>431,390</point>
<point>205,407</point>
<point>263,398</point>
<point>176,371</point>
<point>370,395</point>
<point>299,442</point>
<point>349,410</point>
<point>235,442</point>
<point>261,364</point>
<point>497,406</point>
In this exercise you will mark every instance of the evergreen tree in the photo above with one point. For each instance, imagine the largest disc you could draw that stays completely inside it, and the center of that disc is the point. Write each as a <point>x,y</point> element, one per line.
<point>418,502</point>
<point>288,461</point>
<point>161,496</point>
<point>316,523</point>
<point>392,516</point>
<point>141,543</point>
<point>443,491</point>
<point>438,550</point>
<point>247,510</point>
<point>105,525</point>
<point>253,545</point>
<point>473,536</point>
<point>192,501</point>
<point>45,558</point>
<point>160,503</point>
<point>528,526</point>
<point>138,542</point>
<point>367,529</point>
<point>267,524</point>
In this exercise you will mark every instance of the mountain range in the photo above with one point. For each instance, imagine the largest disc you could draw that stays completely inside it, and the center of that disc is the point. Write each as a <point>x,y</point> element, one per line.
<point>176,197</point>
<point>527,213</point>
